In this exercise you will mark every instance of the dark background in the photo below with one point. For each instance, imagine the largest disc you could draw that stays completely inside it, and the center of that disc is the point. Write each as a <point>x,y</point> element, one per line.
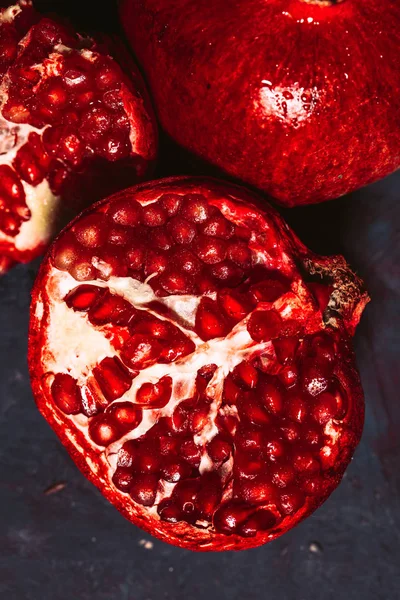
<point>72,545</point>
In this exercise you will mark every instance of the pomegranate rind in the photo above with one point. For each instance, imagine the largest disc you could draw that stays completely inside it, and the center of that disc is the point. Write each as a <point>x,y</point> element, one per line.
<point>91,460</point>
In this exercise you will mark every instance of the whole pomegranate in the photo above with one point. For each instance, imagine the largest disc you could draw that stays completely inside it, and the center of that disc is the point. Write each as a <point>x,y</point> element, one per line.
<point>73,125</point>
<point>296,97</point>
<point>195,359</point>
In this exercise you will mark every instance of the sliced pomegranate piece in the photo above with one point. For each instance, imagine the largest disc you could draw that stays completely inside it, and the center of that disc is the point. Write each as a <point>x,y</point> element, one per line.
<point>214,420</point>
<point>74,125</point>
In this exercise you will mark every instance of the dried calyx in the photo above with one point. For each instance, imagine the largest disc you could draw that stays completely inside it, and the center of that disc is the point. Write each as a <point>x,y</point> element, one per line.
<point>195,369</point>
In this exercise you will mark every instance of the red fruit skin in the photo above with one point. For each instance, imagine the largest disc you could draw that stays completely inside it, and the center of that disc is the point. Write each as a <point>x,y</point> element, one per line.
<point>56,185</point>
<point>296,97</point>
<point>94,465</point>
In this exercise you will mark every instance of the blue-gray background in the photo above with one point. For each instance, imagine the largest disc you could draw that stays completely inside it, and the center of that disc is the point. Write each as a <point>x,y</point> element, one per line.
<point>73,545</point>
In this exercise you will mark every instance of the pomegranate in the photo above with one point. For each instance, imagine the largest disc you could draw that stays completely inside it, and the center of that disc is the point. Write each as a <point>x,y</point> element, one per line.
<point>195,359</point>
<point>296,97</point>
<point>73,125</point>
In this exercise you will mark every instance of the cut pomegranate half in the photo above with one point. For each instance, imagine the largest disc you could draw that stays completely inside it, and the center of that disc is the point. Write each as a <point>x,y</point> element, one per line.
<point>208,387</point>
<point>74,126</point>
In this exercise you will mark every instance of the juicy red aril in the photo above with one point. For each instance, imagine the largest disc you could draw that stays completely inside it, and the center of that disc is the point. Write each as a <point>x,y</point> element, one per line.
<point>66,394</point>
<point>155,395</point>
<point>114,380</point>
<point>199,402</point>
<point>264,325</point>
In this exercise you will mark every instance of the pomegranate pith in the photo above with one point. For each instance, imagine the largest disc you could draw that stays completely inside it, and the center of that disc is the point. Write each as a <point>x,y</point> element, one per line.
<point>213,419</point>
<point>75,124</point>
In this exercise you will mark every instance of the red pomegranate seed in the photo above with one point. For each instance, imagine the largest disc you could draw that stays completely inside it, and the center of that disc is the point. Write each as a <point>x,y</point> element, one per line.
<point>245,375</point>
<point>249,439</point>
<point>144,489</point>
<point>107,76</point>
<point>153,215</point>
<point>111,263</point>
<point>271,395</point>
<point>114,380</point>
<point>126,212</point>
<point>251,410</point>
<point>120,236</point>
<point>184,260</point>
<point>179,420</point>
<point>219,449</point>
<point>315,378</point>
<point>123,479</point>
<point>286,349</point>
<point>66,394</point>
<point>156,262</point>
<point>195,208</point>
<point>190,452</point>
<point>325,408</point>
<point>135,256</point>
<point>169,511</point>
<point>231,391</point>
<point>146,459</point>
<point>274,448</point>
<point>171,203</point>
<point>103,430</point>
<point>155,395</point>
<point>230,515</point>
<point>297,407</point>
<point>82,269</point>
<point>168,445</point>
<point>141,350</point>
<point>210,250</point>
<point>235,305</point>
<point>282,475</point>
<point>199,418</point>
<point>126,414</point>
<point>291,501</point>
<point>288,376</point>
<point>83,297</point>
<point>181,230</point>
<point>111,309</point>
<point>262,520</point>
<point>247,466</point>
<point>174,281</point>
<point>217,226</point>
<point>264,325</point>
<point>175,470</point>
<point>304,462</point>
<point>227,273</point>
<point>323,348</point>
<point>160,238</point>
<point>91,231</point>
<point>312,485</point>
<point>209,495</point>
<point>185,493</point>
<point>209,321</point>
<point>239,253</point>
<point>269,291</point>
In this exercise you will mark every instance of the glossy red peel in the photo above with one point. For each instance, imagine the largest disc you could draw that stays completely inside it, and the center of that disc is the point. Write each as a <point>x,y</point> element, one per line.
<point>220,415</point>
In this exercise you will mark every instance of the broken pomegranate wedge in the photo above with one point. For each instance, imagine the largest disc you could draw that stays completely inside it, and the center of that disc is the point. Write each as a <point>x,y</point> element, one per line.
<point>73,127</point>
<point>195,359</point>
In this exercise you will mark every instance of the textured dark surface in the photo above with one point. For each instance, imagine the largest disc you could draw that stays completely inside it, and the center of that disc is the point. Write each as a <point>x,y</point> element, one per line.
<point>72,545</point>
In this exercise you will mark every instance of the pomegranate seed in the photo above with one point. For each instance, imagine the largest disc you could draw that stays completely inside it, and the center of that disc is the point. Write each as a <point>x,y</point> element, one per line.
<point>92,399</point>
<point>177,349</point>
<point>297,408</point>
<point>199,418</point>
<point>249,439</point>
<point>155,327</point>
<point>125,212</point>
<point>54,93</point>
<point>175,470</point>
<point>114,380</point>
<point>210,250</point>
<point>219,449</point>
<point>195,208</point>
<point>144,489</point>
<point>264,325</point>
<point>108,76</point>
<point>274,449</point>
<point>245,375</point>
<point>325,408</point>
<point>312,486</point>
<point>91,231</point>
<point>286,349</point>
<point>178,422</point>
<point>228,273</point>
<point>239,253</point>
<point>236,306</point>
<point>247,467</point>
<point>83,297</point>
<point>227,423</point>
<point>153,215</point>
<point>27,166</point>
<point>160,238</point>
<point>111,308</point>
<point>128,453</point>
<point>135,256</point>
<point>111,263</point>
<point>291,502</point>
<point>315,378</point>
<point>171,203</point>
<point>206,284</point>
<point>181,230</point>
<point>156,262</point>
<point>304,461</point>
<point>169,511</point>
<point>103,430</point>
<point>209,320</point>
<point>323,348</point>
<point>75,79</point>
<point>251,410</point>
<point>95,121</point>
<point>186,261</point>
<point>288,376</point>
<point>209,495</point>
<point>271,395</point>
<point>230,515</point>
<point>141,350</point>
<point>175,282</point>
<point>126,414</point>
<point>168,445</point>
<point>217,226</point>
<point>123,479</point>
<point>155,395</point>
<point>269,291</point>
<point>146,459</point>
<point>231,391</point>
<point>262,520</point>
<point>115,146</point>
<point>190,452</point>
<point>185,493</point>
<point>282,475</point>
<point>82,270</point>
<point>291,432</point>
<point>66,394</point>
